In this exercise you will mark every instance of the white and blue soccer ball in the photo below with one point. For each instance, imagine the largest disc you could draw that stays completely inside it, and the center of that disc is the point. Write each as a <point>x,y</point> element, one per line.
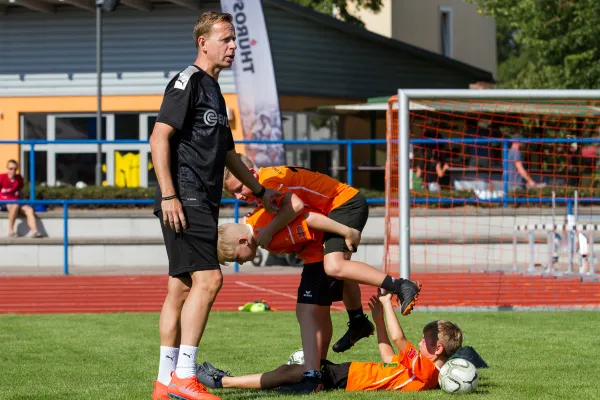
<point>458,376</point>
<point>297,357</point>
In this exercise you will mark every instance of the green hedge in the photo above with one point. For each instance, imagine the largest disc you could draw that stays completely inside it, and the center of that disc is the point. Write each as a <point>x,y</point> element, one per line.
<point>111,192</point>
<point>91,192</point>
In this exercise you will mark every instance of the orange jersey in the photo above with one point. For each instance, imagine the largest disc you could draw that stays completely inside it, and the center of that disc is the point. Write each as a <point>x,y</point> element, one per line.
<point>316,190</point>
<point>296,237</point>
<point>408,371</point>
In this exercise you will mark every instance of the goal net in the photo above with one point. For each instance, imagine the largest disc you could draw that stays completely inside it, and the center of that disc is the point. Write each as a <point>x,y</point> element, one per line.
<point>496,181</point>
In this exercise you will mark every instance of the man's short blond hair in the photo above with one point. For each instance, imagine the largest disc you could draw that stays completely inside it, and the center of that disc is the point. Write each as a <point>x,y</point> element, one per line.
<point>447,334</point>
<point>246,160</point>
<point>205,23</point>
<point>227,241</point>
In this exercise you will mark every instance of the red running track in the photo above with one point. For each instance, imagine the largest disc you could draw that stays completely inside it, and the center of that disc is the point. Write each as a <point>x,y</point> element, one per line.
<point>95,294</point>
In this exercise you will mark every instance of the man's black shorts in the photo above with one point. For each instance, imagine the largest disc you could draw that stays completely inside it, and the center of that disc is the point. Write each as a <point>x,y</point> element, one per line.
<point>335,376</point>
<point>353,213</point>
<point>195,248</point>
<point>316,287</point>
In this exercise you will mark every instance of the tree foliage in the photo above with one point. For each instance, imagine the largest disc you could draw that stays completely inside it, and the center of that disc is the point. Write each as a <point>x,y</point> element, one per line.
<point>546,44</point>
<point>341,8</point>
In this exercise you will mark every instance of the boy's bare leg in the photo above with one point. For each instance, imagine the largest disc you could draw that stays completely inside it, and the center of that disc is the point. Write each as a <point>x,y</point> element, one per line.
<point>327,329</point>
<point>313,322</point>
<point>285,374</point>
<point>339,265</point>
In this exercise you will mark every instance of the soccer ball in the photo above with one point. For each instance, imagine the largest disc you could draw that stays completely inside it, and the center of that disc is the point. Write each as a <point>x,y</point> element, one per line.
<point>458,376</point>
<point>296,357</point>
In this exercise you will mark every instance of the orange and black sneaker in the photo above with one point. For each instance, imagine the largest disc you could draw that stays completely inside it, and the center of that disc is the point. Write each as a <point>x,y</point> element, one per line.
<point>408,294</point>
<point>189,389</point>
<point>160,391</point>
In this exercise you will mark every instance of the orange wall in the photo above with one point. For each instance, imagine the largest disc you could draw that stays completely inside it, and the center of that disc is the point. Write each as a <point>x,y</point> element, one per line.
<point>11,107</point>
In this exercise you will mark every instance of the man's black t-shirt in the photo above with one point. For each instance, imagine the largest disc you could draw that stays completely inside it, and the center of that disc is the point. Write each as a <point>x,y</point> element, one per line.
<point>194,106</point>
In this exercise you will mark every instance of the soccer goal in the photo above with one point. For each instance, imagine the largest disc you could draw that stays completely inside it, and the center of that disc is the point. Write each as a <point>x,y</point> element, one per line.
<point>492,180</point>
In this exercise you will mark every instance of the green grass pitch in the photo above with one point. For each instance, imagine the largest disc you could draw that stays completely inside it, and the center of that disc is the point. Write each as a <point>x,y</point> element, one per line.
<point>532,355</point>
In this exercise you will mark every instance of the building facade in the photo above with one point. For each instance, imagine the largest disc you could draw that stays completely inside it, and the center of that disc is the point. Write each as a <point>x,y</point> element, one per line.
<point>48,82</point>
<point>453,28</point>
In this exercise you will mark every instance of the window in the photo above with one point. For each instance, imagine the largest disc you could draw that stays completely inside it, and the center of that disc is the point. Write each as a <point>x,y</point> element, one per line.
<point>35,127</point>
<point>152,179</point>
<point>151,122</point>
<point>78,128</point>
<point>446,31</point>
<point>41,173</point>
<point>311,126</point>
<point>77,167</point>
<point>127,126</point>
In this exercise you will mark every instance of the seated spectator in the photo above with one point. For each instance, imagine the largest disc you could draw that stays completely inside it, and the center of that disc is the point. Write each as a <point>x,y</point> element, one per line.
<point>435,171</point>
<point>516,175</point>
<point>11,184</point>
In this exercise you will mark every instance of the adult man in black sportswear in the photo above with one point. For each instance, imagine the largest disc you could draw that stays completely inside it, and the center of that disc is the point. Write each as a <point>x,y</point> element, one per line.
<point>191,144</point>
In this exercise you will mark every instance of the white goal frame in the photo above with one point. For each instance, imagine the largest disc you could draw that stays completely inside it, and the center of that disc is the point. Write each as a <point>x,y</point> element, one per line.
<point>404,97</point>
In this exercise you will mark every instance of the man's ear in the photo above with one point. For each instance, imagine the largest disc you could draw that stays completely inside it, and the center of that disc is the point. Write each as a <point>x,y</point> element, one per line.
<point>201,43</point>
<point>243,241</point>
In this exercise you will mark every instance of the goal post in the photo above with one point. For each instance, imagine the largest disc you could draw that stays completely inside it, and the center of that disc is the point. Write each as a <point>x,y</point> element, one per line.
<point>550,117</point>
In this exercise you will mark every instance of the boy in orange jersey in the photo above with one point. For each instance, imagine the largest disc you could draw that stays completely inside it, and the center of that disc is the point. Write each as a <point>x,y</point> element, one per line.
<point>343,204</point>
<point>317,291</point>
<point>408,369</point>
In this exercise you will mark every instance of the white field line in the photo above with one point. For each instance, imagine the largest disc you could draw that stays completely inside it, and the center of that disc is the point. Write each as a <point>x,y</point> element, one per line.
<point>262,289</point>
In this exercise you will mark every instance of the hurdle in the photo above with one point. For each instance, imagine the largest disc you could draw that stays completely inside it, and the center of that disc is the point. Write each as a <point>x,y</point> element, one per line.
<point>583,233</point>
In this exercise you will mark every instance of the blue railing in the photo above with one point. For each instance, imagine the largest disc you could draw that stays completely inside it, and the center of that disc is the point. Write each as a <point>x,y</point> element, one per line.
<point>65,204</point>
<point>505,200</point>
<point>348,143</point>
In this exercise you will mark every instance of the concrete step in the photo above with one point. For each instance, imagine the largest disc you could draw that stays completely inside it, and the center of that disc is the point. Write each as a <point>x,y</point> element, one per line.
<point>425,228</point>
<point>127,223</point>
<point>118,252</point>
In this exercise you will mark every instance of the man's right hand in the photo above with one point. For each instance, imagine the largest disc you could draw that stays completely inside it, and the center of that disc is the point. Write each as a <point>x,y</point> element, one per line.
<point>270,200</point>
<point>173,216</point>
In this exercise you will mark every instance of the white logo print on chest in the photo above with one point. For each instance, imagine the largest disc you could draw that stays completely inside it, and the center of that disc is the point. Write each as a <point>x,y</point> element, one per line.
<point>211,118</point>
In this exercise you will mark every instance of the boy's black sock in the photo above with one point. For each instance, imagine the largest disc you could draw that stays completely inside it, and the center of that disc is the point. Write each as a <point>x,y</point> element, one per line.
<point>355,314</point>
<point>391,284</point>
